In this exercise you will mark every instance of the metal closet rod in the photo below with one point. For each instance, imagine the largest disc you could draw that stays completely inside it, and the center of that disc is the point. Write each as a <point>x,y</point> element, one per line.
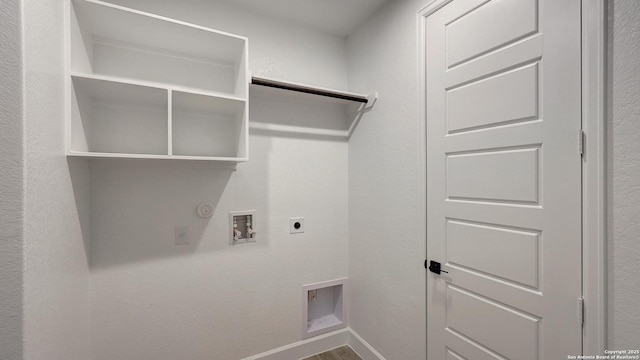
<point>291,87</point>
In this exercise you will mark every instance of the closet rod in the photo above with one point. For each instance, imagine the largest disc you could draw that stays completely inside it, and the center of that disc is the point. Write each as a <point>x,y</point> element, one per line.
<point>307,90</point>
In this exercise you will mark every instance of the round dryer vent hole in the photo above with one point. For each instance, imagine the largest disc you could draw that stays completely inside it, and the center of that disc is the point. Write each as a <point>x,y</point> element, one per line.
<point>204,210</point>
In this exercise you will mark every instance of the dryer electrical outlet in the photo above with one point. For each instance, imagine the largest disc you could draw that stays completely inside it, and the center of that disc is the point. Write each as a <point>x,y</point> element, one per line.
<point>296,225</point>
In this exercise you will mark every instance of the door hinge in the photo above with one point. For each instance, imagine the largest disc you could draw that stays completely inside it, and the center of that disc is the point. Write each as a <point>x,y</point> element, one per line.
<point>580,311</point>
<point>581,136</point>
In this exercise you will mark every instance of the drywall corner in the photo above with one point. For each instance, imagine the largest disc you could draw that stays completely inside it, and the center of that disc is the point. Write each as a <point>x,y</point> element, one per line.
<point>386,250</point>
<point>56,271</point>
<point>623,151</point>
<point>11,181</point>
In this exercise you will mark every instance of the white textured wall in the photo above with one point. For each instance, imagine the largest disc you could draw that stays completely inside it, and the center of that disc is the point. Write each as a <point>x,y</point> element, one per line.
<point>210,300</point>
<point>154,300</point>
<point>386,251</point>
<point>624,174</point>
<point>276,49</point>
<point>56,276</point>
<point>11,182</point>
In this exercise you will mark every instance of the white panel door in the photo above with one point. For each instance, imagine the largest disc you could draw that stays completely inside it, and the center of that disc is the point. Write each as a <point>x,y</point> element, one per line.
<point>503,179</point>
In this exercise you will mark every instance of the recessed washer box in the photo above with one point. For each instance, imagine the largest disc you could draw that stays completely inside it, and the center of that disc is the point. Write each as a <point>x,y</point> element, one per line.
<point>242,227</point>
<point>324,307</point>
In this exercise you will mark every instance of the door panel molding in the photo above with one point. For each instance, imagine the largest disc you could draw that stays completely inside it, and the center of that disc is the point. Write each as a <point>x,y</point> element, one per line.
<point>593,57</point>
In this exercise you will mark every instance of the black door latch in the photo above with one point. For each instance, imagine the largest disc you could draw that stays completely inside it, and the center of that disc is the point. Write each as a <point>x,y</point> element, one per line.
<point>434,267</point>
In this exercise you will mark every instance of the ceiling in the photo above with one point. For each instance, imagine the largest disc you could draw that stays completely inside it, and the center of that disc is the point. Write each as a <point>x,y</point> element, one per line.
<point>337,17</point>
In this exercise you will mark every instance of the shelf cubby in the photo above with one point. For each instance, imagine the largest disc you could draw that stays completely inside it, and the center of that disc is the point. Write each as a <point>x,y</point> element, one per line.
<point>114,117</point>
<point>208,126</point>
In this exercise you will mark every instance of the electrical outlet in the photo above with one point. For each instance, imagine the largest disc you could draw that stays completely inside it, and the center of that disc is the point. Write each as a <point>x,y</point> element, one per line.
<point>296,225</point>
<point>182,235</point>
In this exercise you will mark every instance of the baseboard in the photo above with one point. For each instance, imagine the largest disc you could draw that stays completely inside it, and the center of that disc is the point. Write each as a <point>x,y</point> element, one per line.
<point>362,348</point>
<point>321,343</point>
<point>306,348</point>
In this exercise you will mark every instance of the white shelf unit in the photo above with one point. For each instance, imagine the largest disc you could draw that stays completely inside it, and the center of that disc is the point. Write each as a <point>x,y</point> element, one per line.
<point>327,311</point>
<point>150,87</point>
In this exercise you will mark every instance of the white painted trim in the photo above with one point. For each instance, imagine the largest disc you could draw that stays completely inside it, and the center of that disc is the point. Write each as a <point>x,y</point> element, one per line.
<point>170,122</point>
<point>247,80</point>
<point>306,348</point>
<point>422,141</point>
<point>594,218</point>
<point>432,7</point>
<point>594,167</point>
<point>422,127</point>
<point>362,348</point>
<point>67,77</point>
<point>320,344</point>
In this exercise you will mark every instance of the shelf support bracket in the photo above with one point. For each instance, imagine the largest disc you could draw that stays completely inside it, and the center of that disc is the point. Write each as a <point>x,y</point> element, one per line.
<point>362,109</point>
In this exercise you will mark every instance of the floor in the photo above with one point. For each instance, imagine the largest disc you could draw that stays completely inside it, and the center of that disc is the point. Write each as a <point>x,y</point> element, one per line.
<point>341,353</point>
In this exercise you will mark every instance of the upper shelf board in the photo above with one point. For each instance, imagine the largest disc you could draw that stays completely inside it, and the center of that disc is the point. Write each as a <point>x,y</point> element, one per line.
<point>154,85</point>
<point>104,20</point>
<point>308,89</point>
